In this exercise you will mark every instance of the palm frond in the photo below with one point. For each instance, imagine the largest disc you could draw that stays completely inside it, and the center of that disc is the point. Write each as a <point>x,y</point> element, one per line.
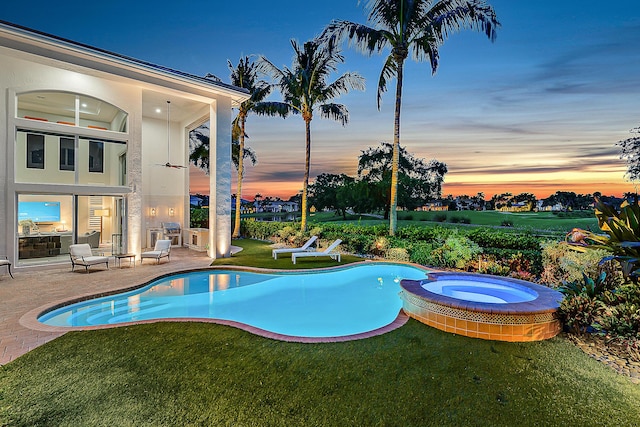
<point>366,39</point>
<point>389,71</point>
<point>337,112</point>
<point>273,108</point>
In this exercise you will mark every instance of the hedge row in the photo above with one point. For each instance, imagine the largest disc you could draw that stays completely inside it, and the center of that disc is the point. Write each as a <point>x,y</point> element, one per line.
<point>421,243</point>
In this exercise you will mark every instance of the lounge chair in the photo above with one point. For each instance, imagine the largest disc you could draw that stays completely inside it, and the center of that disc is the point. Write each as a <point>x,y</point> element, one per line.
<point>161,249</point>
<point>327,252</point>
<point>304,248</point>
<point>81,254</point>
<point>6,262</point>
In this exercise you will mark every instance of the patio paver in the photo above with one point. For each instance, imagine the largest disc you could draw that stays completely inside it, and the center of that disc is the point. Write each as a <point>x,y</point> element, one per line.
<point>38,287</point>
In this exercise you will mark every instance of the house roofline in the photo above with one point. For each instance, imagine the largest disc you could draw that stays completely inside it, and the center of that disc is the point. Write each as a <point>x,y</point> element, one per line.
<point>33,37</point>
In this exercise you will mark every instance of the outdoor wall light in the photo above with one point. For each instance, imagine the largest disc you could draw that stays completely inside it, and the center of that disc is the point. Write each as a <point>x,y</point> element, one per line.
<point>171,212</point>
<point>152,212</point>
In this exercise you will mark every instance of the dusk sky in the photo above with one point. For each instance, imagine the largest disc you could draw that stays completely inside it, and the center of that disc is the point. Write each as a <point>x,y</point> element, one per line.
<point>539,110</point>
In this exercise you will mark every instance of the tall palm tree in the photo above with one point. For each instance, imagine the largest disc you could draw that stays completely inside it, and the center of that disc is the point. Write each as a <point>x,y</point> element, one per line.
<point>245,75</point>
<point>199,147</point>
<point>305,88</point>
<point>418,27</point>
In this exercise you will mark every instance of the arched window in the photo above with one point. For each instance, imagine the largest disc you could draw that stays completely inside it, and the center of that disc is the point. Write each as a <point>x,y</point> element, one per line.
<point>71,109</point>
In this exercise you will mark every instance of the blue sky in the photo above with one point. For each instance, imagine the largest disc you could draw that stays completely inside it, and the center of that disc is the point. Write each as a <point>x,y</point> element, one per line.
<point>539,110</point>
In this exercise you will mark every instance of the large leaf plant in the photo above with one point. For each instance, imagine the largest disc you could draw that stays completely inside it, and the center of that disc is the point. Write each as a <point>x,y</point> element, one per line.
<point>622,236</point>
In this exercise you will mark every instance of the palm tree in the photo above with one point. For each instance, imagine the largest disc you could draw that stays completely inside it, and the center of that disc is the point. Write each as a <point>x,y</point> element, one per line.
<point>199,147</point>
<point>416,26</point>
<point>305,88</point>
<point>245,75</point>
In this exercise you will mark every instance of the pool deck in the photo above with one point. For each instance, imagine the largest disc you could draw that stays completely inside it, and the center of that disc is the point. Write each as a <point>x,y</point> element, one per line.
<point>22,299</point>
<point>35,288</point>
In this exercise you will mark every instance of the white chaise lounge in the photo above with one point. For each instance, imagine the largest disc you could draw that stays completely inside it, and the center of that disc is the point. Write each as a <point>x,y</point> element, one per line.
<point>81,254</point>
<point>161,249</point>
<point>304,248</point>
<point>327,252</point>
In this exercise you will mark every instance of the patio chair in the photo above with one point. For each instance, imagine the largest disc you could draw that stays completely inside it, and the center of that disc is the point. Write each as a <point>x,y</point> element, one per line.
<point>160,250</point>
<point>6,262</point>
<point>304,248</point>
<point>81,254</point>
<point>327,252</point>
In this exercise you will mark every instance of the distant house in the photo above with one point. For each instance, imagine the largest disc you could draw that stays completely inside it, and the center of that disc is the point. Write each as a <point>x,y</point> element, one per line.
<point>276,206</point>
<point>435,205</point>
<point>558,207</point>
<point>246,206</point>
<point>516,207</point>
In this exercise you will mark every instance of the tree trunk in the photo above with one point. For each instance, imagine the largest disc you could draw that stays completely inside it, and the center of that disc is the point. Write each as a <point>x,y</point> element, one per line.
<point>393,214</point>
<point>303,222</point>
<point>236,228</point>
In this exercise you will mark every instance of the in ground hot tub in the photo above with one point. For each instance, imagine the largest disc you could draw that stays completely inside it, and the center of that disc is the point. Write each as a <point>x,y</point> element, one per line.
<point>482,306</point>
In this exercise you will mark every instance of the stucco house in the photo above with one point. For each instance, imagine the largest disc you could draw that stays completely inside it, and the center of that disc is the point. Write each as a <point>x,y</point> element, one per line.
<point>97,142</point>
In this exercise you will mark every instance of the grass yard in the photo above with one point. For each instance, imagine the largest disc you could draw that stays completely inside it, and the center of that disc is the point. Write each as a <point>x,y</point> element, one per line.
<point>256,253</point>
<point>197,374</point>
<point>540,221</point>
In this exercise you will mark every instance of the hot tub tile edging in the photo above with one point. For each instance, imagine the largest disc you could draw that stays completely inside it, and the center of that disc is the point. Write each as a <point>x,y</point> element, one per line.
<point>515,322</point>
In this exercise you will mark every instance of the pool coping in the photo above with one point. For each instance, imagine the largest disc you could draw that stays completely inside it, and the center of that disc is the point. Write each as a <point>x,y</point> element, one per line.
<point>30,318</point>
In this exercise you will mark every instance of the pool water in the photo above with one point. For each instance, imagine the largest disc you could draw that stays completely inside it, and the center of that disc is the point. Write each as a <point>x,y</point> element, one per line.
<point>480,290</point>
<point>332,303</point>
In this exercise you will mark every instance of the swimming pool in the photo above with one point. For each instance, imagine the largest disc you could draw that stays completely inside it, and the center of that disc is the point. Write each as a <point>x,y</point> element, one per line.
<point>325,303</point>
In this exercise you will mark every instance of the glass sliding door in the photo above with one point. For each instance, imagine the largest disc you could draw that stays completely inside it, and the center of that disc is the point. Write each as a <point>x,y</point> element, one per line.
<point>45,228</point>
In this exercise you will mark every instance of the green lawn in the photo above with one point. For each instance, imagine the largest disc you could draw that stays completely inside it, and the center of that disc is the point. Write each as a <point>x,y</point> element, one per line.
<point>188,374</point>
<point>540,221</point>
<point>258,254</point>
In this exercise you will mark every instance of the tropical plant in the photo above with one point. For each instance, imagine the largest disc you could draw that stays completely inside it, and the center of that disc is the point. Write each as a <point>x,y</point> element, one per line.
<point>582,305</point>
<point>199,149</point>
<point>245,75</point>
<point>305,88</point>
<point>561,264</point>
<point>416,26</point>
<point>621,238</point>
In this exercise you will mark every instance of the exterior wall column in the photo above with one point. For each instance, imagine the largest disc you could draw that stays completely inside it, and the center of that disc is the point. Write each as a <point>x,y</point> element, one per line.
<point>220,179</point>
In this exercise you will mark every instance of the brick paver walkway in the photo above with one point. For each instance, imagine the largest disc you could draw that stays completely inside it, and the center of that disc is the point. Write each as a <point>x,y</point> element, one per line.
<point>33,289</point>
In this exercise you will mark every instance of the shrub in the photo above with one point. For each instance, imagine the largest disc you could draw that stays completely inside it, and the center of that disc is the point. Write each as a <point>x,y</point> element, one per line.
<point>456,251</point>
<point>287,233</point>
<point>622,320</point>
<point>379,246</point>
<point>441,217</point>
<point>397,254</point>
<point>460,220</point>
<point>561,264</point>
<point>420,253</point>
<point>622,315</point>
<point>491,238</point>
<point>490,265</point>
<point>262,230</point>
<point>582,305</point>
